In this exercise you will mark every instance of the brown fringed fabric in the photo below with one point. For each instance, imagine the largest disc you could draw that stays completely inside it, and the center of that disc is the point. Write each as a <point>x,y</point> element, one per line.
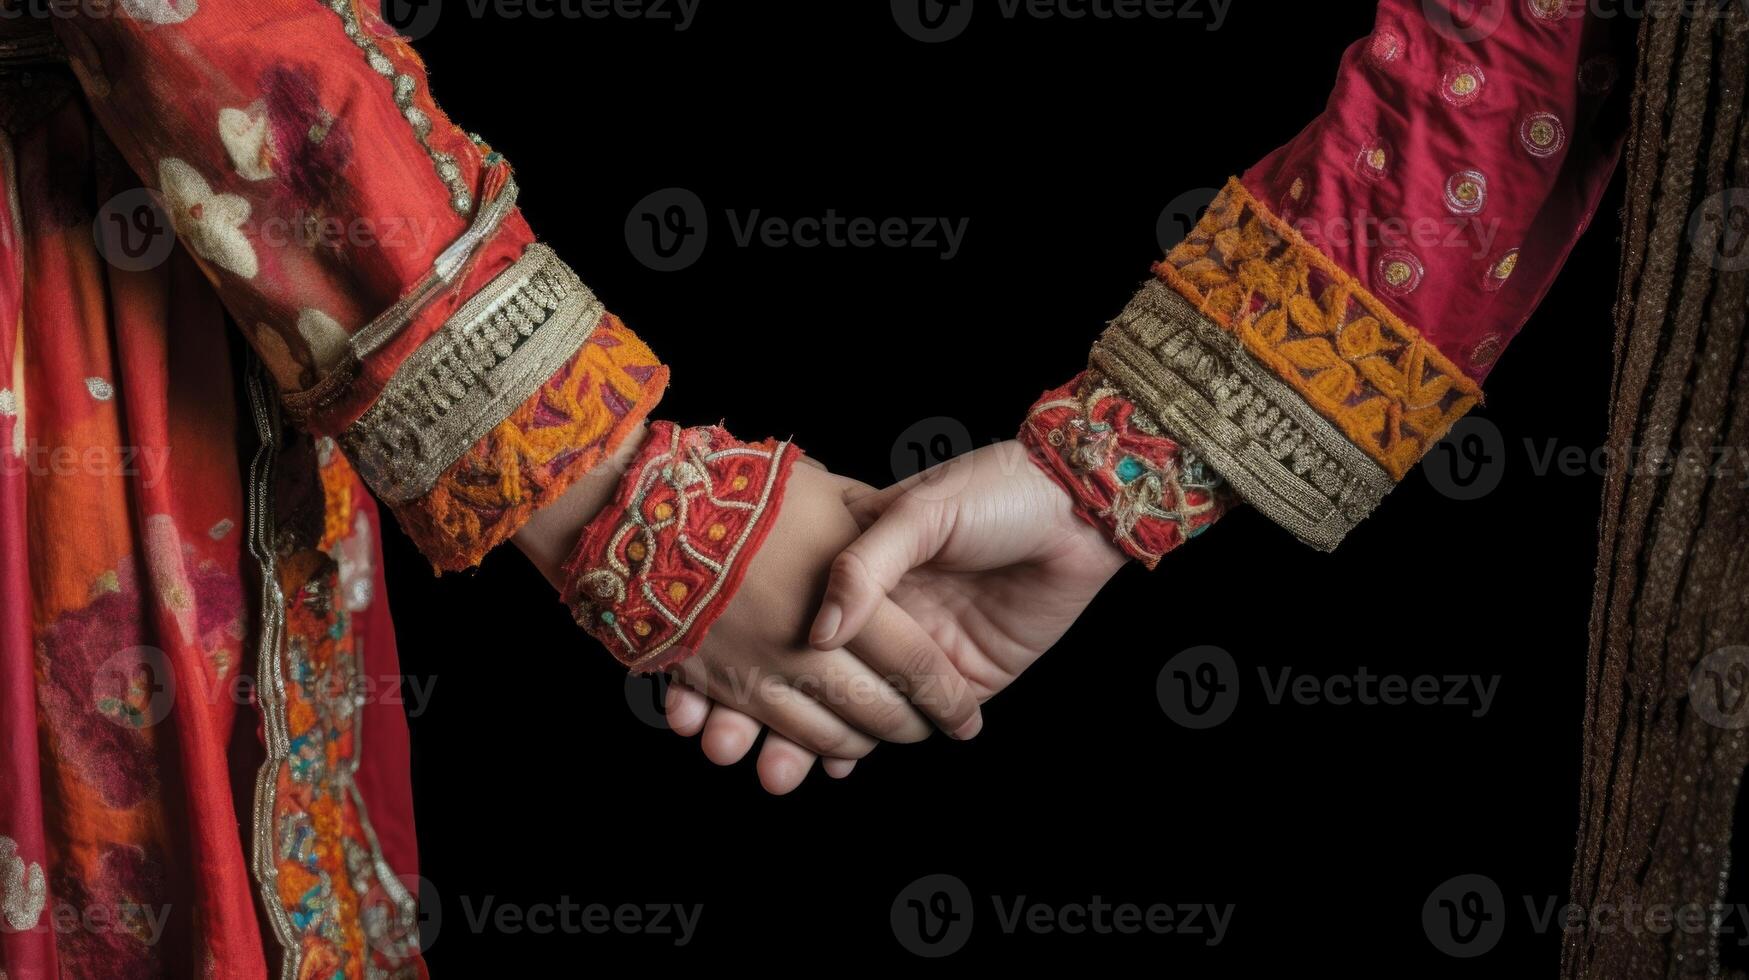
<point>1661,771</point>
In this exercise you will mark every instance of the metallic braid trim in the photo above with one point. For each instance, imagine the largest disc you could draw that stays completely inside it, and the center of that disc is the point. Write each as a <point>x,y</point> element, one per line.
<point>270,689</point>
<point>497,350</point>
<point>461,196</point>
<point>1273,448</point>
<point>443,272</point>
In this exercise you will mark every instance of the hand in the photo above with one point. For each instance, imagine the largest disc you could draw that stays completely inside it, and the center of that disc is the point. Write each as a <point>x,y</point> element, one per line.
<point>984,551</point>
<point>828,698</point>
<point>756,657</point>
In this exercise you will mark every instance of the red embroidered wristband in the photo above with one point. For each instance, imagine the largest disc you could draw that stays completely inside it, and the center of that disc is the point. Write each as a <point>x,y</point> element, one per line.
<point>656,567</point>
<point>1125,477</point>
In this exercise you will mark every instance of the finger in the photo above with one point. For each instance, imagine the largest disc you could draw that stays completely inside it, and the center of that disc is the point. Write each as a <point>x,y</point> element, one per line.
<point>728,735</point>
<point>903,538</point>
<point>805,459</point>
<point>783,764</point>
<point>685,709</point>
<point>904,652</point>
<point>867,504</point>
<point>838,768</point>
<point>862,697</point>
<point>774,701</point>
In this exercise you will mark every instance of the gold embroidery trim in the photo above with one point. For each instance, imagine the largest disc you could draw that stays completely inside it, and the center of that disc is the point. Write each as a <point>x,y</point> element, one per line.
<point>1319,330</point>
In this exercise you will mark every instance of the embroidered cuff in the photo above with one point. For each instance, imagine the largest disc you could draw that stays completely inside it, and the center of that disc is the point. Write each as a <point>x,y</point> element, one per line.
<point>1281,371</point>
<point>655,568</point>
<point>526,388</point>
<point>1125,475</point>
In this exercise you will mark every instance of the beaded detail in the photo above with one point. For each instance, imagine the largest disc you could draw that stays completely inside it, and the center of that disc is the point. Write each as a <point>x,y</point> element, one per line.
<point>406,86</point>
<point>1196,381</point>
<point>655,568</point>
<point>1125,476</point>
<point>494,353</point>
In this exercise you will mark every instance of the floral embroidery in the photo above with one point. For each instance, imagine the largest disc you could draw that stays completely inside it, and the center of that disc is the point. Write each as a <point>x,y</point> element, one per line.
<point>340,910</point>
<point>22,891</point>
<point>581,414</point>
<point>244,133</point>
<point>1388,389</point>
<point>100,389</point>
<point>211,224</point>
<point>1399,273</point>
<point>1500,271</point>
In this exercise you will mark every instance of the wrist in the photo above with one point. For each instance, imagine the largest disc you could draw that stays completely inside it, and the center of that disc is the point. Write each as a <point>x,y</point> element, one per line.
<point>552,532</point>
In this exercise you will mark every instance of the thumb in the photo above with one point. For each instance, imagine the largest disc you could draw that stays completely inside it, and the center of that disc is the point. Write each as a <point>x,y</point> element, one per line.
<point>905,536</point>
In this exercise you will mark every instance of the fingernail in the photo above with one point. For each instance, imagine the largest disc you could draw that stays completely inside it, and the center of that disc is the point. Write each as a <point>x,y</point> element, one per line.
<point>826,624</point>
<point>970,728</point>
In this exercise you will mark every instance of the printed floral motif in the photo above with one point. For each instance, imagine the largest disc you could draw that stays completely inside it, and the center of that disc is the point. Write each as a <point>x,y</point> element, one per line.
<point>128,888</point>
<point>211,224</point>
<point>161,11</point>
<point>326,337</point>
<point>22,893</point>
<point>244,133</point>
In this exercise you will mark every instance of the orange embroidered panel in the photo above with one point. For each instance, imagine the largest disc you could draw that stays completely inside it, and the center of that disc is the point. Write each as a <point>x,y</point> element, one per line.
<point>1338,346</point>
<point>576,419</point>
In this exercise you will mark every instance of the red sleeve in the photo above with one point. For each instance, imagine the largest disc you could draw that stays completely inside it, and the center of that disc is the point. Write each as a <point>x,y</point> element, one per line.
<point>1339,306</point>
<point>371,252</point>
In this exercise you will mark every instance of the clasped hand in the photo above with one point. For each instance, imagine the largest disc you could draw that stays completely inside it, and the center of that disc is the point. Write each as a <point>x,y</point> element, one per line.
<point>881,615</point>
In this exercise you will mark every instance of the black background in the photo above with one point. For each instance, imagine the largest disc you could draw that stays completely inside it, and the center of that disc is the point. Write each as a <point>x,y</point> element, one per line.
<point>1326,826</point>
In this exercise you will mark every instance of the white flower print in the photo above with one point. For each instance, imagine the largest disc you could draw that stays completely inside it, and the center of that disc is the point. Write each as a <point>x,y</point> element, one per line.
<point>327,339</point>
<point>160,11</point>
<point>244,133</point>
<point>209,223</point>
<point>22,889</point>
